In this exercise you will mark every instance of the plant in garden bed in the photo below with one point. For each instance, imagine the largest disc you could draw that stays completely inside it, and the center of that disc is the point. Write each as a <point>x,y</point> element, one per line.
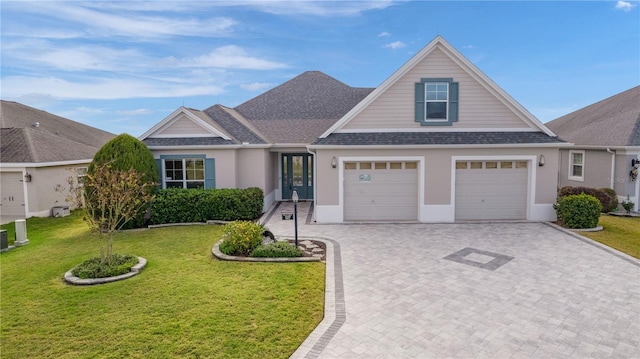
<point>240,238</point>
<point>578,211</point>
<point>277,250</point>
<point>627,205</point>
<point>95,268</point>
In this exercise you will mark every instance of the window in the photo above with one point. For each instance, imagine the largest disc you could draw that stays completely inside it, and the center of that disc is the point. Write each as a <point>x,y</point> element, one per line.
<point>436,101</point>
<point>82,174</point>
<point>576,165</point>
<point>184,173</point>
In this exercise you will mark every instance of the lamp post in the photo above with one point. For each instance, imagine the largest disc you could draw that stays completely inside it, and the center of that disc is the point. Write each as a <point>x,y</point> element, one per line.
<point>294,198</point>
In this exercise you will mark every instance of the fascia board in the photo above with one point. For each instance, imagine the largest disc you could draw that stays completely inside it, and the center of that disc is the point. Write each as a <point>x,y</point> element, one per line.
<point>172,117</point>
<point>45,164</point>
<point>403,147</point>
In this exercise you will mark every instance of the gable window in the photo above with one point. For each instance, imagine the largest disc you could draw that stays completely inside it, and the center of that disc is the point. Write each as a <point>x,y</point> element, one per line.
<point>576,165</point>
<point>187,171</point>
<point>436,101</point>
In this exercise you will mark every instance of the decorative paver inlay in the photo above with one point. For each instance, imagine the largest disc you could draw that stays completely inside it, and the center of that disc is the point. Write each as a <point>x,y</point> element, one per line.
<point>479,258</point>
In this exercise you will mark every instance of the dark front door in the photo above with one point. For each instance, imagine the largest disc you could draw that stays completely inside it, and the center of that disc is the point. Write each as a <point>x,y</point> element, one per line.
<point>297,175</point>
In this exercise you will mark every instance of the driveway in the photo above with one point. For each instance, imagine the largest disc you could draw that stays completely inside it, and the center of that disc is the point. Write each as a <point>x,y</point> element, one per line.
<point>482,290</point>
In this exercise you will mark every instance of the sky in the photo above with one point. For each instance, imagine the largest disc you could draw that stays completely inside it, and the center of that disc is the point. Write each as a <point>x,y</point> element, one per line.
<point>125,66</point>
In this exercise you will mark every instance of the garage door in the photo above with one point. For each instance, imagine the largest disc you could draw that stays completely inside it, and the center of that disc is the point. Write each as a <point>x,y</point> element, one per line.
<point>381,191</point>
<point>491,190</point>
<point>11,194</point>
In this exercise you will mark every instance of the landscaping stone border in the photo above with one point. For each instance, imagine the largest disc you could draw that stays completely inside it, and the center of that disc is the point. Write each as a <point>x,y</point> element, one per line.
<point>135,270</point>
<point>218,254</point>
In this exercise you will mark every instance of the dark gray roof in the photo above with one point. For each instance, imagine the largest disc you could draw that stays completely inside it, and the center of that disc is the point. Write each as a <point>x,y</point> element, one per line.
<point>301,109</point>
<point>188,141</point>
<point>436,138</point>
<point>614,121</point>
<point>234,127</point>
<point>54,139</point>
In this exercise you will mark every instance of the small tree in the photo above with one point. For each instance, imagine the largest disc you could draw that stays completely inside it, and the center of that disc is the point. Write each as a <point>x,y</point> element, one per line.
<point>113,198</point>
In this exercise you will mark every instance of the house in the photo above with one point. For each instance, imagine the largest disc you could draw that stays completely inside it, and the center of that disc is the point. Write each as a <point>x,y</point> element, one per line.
<point>438,141</point>
<point>37,149</point>
<point>606,135</point>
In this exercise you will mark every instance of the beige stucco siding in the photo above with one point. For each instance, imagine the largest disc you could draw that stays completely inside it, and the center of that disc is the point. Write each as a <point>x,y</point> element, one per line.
<point>597,169</point>
<point>478,108</point>
<point>438,170</point>
<point>251,167</point>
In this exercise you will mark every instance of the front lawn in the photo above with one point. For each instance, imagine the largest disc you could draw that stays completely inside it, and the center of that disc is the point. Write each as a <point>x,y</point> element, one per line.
<point>621,233</point>
<point>183,304</point>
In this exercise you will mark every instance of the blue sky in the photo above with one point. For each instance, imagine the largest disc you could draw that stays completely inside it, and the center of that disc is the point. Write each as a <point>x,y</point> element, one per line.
<point>124,66</point>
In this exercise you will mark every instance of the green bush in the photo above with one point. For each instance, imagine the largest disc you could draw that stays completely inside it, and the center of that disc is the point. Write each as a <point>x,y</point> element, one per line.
<point>123,153</point>
<point>181,205</point>
<point>240,238</point>
<point>604,198</point>
<point>614,200</point>
<point>276,250</point>
<point>578,211</point>
<point>94,268</point>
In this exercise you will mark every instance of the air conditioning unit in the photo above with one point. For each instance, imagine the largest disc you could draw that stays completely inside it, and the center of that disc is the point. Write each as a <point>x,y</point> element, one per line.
<point>60,211</point>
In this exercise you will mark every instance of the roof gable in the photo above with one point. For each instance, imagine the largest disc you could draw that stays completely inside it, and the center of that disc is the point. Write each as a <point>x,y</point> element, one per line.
<point>614,121</point>
<point>184,123</point>
<point>516,117</point>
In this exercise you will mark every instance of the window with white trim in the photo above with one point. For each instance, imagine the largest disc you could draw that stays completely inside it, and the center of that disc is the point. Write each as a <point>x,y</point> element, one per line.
<point>81,172</point>
<point>436,98</point>
<point>436,101</point>
<point>576,165</point>
<point>184,173</point>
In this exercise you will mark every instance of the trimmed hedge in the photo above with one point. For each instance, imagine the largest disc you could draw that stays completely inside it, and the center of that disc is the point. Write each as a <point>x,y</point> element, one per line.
<point>604,198</point>
<point>181,205</point>
<point>277,250</point>
<point>578,211</point>
<point>614,200</point>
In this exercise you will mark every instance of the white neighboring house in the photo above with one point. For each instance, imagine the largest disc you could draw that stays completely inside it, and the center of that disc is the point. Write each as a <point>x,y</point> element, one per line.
<point>37,151</point>
<point>606,135</point>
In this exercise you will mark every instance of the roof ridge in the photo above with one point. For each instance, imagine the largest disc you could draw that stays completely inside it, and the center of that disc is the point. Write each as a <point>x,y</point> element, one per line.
<point>30,146</point>
<point>243,121</point>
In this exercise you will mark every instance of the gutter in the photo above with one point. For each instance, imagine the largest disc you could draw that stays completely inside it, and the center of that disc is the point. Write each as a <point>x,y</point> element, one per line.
<point>613,167</point>
<point>315,182</point>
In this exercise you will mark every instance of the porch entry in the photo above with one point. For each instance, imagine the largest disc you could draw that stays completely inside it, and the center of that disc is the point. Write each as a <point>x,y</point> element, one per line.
<point>297,175</point>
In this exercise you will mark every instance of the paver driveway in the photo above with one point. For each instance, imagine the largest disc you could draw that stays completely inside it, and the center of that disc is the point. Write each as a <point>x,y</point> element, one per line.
<point>541,293</point>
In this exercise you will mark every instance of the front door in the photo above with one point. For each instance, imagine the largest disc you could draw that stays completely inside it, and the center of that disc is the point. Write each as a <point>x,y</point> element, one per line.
<point>297,175</point>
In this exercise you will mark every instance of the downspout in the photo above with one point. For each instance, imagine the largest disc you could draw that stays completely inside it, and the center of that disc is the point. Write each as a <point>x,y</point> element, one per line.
<point>613,168</point>
<point>315,183</point>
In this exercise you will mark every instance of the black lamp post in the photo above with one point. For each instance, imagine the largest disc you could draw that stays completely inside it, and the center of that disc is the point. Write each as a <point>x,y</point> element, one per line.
<point>294,198</point>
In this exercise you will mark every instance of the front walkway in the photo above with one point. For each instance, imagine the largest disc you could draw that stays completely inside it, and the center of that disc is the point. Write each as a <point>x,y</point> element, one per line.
<point>483,290</point>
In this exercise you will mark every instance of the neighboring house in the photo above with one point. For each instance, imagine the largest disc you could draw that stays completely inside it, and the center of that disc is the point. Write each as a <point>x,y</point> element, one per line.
<point>37,151</point>
<point>606,135</point>
<point>438,141</point>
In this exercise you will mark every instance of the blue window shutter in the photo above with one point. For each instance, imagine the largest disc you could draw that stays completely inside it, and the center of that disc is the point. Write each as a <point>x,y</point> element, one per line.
<point>453,101</point>
<point>160,177</point>
<point>419,112</point>
<point>209,173</point>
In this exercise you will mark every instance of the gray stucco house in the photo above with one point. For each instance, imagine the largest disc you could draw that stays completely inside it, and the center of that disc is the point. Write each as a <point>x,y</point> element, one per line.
<point>438,141</point>
<point>606,135</point>
<point>37,149</point>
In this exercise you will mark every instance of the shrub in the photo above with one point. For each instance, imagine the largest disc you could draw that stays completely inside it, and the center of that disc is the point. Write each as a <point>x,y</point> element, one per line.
<point>123,153</point>
<point>614,199</point>
<point>240,238</point>
<point>95,268</point>
<point>603,197</point>
<point>178,205</point>
<point>578,211</point>
<point>276,250</point>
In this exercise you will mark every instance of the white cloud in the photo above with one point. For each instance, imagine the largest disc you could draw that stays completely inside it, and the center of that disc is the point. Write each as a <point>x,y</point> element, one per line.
<point>101,88</point>
<point>255,86</point>
<point>138,112</point>
<point>317,8</point>
<point>625,6</point>
<point>468,47</point>
<point>231,57</point>
<point>395,45</point>
<point>384,34</point>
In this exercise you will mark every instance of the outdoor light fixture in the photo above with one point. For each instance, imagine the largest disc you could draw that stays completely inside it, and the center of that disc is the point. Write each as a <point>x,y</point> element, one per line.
<point>27,177</point>
<point>541,162</point>
<point>294,198</point>
<point>334,163</point>
<point>634,162</point>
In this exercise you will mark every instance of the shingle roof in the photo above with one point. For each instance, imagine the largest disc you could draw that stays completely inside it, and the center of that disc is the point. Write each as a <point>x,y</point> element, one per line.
<point>301,109</point>
<point>187,141</point>
<point>54,139</point>
<point>435,138</point>
<point>614,121</point>
<point>233,126</point>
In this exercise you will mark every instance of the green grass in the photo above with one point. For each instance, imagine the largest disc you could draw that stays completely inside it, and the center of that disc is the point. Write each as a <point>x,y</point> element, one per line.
<point>621,233</point>
<point>183,304</point>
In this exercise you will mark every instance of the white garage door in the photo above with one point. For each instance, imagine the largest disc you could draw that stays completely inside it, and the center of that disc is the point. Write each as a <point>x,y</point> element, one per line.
<point>11,194</point>
<point>381,191</point>
<point>491,190</point>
